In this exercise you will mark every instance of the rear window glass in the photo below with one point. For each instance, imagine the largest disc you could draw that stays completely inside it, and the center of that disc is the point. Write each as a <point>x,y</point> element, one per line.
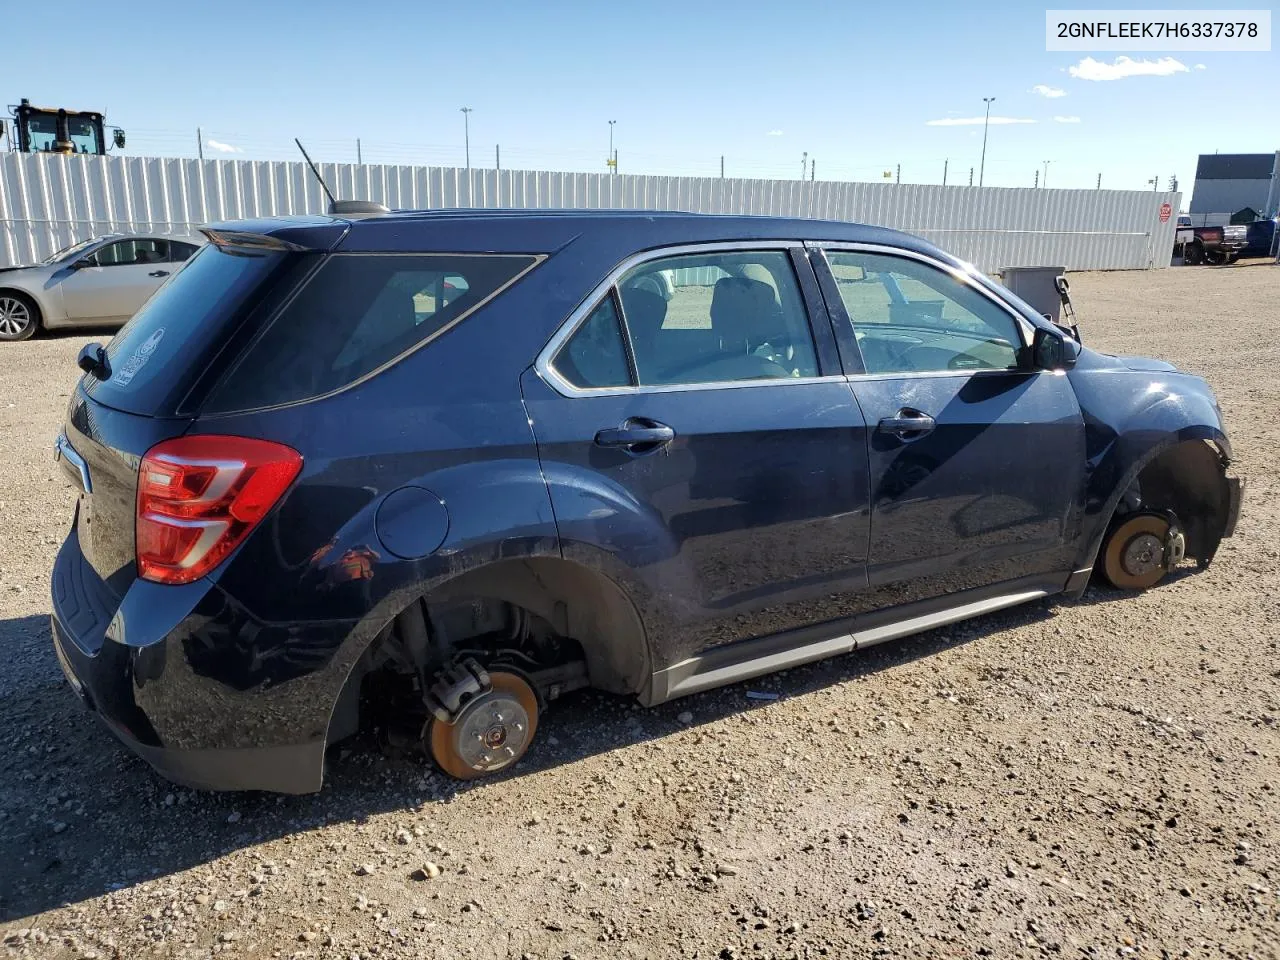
<point>357,314</point>
<point>155,355</point>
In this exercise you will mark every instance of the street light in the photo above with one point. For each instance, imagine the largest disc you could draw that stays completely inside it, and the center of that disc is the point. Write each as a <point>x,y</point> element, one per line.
<point>1045,181</point>
<point>612,162</point>
<point>982,169</point>
<point>466,132</point>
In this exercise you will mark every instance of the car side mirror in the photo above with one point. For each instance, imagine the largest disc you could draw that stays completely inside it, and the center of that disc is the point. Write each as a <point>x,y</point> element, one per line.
<point>1052,350</point>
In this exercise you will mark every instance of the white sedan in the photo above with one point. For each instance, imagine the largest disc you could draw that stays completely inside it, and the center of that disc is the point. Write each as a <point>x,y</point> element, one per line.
<point>95,283</point>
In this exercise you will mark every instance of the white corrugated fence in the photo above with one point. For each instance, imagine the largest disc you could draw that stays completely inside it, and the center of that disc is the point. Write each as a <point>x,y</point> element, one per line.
<point>49,201</point>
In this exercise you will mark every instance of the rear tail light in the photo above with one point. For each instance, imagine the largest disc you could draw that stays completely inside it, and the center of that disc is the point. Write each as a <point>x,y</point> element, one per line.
<point>198,498</point>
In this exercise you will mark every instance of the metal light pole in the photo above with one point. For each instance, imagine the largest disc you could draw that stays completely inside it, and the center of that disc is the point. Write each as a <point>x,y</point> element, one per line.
<point>613,167</point>
<point>982,169</point>
<point>1045,181</point>
<point>466,132</point>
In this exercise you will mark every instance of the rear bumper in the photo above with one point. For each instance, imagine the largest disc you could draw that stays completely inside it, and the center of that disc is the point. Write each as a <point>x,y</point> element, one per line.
<point>278,769</point>
<point>179,689</point>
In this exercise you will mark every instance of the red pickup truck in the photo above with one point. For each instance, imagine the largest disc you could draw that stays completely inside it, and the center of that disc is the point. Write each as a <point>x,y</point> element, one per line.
<point>1214,245</point>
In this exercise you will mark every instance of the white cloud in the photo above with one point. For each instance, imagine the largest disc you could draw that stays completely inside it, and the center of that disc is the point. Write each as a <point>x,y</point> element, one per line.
<point>1200,66</point>
<point>775,133</point>
<point>972,121</point>
<point>1066,119</point>
<point>1091,69</point>
<point>1046,91</point>
<point>222,147</point>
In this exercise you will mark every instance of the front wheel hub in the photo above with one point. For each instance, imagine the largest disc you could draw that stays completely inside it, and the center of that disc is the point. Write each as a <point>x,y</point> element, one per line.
<point>1143,554</point>
<point>491,732</point>
<point>1141,550</point>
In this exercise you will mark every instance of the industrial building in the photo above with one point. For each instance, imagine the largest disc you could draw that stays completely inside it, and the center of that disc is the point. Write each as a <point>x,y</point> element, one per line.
<point>1235,188</point>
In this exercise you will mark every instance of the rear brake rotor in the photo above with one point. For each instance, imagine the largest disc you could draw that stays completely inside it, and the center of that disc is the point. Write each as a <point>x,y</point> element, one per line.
<point>490,733</point>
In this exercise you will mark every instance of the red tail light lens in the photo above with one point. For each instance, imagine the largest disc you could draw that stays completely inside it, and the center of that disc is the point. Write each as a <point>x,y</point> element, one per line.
<point>198,498</point>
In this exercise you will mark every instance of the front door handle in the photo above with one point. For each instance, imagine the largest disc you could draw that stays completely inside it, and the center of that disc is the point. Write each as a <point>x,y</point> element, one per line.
<point>908,424</point>
<point>637,435</point>
<point>158,273</point>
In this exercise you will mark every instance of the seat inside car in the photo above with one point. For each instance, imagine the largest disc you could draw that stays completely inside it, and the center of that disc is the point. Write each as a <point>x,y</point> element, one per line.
<point>665,354</point>
<point>747,311</point>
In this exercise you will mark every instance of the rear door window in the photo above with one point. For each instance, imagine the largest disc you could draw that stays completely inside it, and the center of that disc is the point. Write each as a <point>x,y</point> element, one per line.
<point>179,251</point>
<point>357,314</point>
<point>596,356</point>
<point>717,317</point>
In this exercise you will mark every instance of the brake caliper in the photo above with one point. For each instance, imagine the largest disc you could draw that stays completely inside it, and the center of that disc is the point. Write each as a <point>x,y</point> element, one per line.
<point>454,687</point>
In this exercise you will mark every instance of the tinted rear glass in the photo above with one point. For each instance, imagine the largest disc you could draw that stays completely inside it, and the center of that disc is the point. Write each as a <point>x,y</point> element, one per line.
<point>157,354</point>
<point>358,313</point>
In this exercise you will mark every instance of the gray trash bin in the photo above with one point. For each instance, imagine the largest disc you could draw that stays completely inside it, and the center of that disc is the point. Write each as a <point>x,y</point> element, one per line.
<point>1036,285</point>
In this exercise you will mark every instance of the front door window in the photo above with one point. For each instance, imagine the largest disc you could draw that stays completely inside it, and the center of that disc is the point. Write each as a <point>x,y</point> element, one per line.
<point>910,317</point>
<point>129,253</point>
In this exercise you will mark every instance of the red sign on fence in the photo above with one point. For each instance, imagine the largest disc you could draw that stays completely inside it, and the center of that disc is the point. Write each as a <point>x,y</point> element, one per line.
<point>1166,211</point>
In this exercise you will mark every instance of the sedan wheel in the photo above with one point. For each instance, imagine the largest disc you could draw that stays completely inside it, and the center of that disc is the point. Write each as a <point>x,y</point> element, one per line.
<point>19,317</point>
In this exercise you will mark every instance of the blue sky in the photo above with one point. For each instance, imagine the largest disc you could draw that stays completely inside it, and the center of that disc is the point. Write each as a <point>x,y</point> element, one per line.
<point>853,85</point>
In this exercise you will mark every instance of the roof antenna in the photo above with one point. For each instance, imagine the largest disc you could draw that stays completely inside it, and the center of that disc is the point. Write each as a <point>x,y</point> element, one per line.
<point>323,186</point>
<point>350,209</point>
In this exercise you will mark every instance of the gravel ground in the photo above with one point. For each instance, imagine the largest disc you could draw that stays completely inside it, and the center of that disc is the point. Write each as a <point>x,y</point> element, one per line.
<point>1097,777</point>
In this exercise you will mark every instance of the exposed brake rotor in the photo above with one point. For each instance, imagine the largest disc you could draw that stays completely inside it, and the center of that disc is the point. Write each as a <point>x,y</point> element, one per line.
<point>1141,550</point>
<point>491,728</point>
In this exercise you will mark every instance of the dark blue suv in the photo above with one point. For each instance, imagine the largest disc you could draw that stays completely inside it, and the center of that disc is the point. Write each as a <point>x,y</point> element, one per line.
<point>440,468</point>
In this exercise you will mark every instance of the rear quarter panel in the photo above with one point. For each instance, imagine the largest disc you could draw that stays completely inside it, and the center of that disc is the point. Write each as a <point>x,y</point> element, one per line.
<point>447,419</point>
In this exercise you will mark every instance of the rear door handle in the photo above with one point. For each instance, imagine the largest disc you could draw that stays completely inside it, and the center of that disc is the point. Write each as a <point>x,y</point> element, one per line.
<point>637,435</point>
<point>158,273</point>
<point>908,424</point>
